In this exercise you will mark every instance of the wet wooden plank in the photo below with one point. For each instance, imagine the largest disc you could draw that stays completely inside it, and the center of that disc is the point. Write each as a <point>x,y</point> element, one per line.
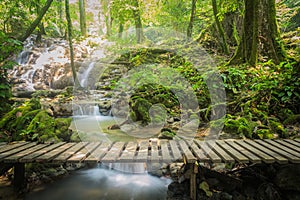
<point>11,146</point>
<point>297,144</point>
<point>84,152</point>
<point>2,144</point>
<point>128,155</point>
<point>209,152</point>
<point>190,158</point>
<point>165,152</point>
<point>98,153</point>
<point>142,155</point>
<point>114,152</point>
<point>265,157</point>
<point>15,157</point>
<point>154,155</point>
<point>233,152</point>
<point>32,156</point>
<point>252,157</point>
<point>283,147</point>
<point>223,154</point>
<point>175,150</point>
<point>55,152</point>
<point>16,150</point>
<point>199,153</point>
<point>280,159</point>
<point>63,157</point>
<point>297,140</point>
<point>285,152</point>
<point>288,145</point>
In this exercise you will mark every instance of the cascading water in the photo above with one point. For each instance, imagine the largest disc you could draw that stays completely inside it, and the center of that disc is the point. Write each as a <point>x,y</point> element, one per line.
<point>84,77</point>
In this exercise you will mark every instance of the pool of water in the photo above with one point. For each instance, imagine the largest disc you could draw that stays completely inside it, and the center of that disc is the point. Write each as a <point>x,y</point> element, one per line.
<point>105,184</point>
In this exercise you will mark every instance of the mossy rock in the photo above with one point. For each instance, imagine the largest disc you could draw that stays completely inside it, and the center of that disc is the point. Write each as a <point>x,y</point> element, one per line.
<point>166,133</point>
<point>42,128</point>
<point>62,128</point>
<point>264,134</point>
<point>278,128</point>
<point>240,125</point>
<point>141,107</point>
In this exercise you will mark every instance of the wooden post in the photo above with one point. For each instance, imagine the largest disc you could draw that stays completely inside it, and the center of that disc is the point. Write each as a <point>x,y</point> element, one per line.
<point>193,181</point>
<point>19,176</point>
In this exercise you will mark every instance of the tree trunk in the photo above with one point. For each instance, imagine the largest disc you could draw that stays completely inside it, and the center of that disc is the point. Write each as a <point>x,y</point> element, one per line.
<point>260,35</point>
<point>191,23</point>
<point>76,81</point>
<point>36,22</point>
<point>224,44</point>
<point>138,22</point>
<point>60,12</point>
<point>121,29</point>
<point>82,17</point>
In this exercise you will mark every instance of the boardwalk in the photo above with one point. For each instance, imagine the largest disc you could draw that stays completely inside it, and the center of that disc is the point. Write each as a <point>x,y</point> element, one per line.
<point>242,151</point>
<point>191,152</point>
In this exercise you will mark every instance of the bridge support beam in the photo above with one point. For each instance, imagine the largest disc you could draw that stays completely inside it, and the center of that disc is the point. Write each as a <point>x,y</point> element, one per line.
<point>193,180</point>
<point>19,176</point>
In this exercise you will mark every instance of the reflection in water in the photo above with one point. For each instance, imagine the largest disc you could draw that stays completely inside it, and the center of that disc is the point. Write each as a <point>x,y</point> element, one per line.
<point>102,183</point>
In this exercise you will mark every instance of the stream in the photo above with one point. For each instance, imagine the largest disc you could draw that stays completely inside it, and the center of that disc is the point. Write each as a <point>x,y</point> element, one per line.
<point>106,184</point>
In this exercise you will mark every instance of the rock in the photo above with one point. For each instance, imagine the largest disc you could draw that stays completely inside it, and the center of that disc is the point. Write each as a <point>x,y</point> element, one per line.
<point>288,177</point>
<point>114,127</point>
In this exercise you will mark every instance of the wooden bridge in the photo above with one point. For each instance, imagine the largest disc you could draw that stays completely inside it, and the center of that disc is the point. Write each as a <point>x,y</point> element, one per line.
<point>191,152</point>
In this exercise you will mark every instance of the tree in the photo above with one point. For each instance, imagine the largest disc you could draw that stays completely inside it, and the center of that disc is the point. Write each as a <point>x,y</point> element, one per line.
<point>36,22</point>
<point>76,81</point>
<point>138,22</point>
<point>220,28</point>
<point>260,34</point>
<point>191,23</point>
<point>82,17</point>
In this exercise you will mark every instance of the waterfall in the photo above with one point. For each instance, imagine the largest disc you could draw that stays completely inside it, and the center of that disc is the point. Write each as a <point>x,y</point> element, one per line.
<point>133,168</point>
<point>85,75</point>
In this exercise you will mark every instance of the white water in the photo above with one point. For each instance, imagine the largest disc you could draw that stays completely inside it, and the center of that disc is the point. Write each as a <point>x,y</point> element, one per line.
<point>103,184</point>
<point>84,77</point>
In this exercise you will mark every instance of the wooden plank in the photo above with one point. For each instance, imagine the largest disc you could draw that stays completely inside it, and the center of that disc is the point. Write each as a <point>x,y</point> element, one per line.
<point>165,152</point>
<point>252,157</point>
<point>280,159</point>
<point>16,150</point>
<point>288,145</point>
<point>32,156</point>
<point>128,154</point>
<point>209,152</point>
<point>15,157</point>
<point>278,149</point>
<point>142,155</point>
<point>99,152</point>
<point>63,157</point>
<point>154,156</point>
<point>84,152</point>
<point>265,157</point>
<point>297,144</point>
<point>11,146</point>
<point>114,152</point>
<point>175,150</point>
<point>225,157</point>
<point>283,147</point>
<point>186,152</point>
<point>297,140</point>
<point>2,144</point>
<point>55,152</point>
<point>233,152</point>
<point>199,153</point>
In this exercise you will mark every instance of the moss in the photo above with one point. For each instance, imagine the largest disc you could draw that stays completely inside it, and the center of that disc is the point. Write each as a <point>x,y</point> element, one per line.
<point>241,126</point>
<point>62,128</point>
<point>264,134</point>
<point>141,108</point>
<point>167,133</point>
<point>42,128</point>
<point>278,128</point>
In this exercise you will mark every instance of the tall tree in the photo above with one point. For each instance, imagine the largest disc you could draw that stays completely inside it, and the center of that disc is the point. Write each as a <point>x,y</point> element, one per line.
<point>138,21</point>
<point>76,81</point>
<point>260,34</point>
<point>82,17</point>
<point>191,23</point>
<point>220,29</point>
<point>36,22</point>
